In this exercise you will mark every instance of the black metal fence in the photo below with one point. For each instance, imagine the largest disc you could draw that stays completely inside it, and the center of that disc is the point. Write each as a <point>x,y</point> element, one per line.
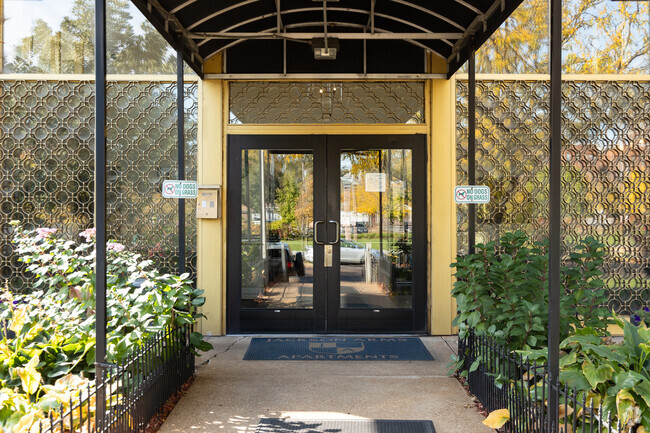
<point>502,379</point>
<point>133,392</point>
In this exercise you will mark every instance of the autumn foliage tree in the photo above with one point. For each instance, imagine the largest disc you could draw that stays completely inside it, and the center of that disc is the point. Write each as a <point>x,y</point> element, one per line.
<point>598,37</point>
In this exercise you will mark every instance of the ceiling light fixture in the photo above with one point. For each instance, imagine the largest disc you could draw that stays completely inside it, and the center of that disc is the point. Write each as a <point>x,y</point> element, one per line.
<point>324,48</point>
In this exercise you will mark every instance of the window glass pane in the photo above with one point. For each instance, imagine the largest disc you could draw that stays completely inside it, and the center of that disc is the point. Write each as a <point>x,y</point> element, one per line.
<point>376,226</point>
<point>276,219</point>
<point>58,37</point>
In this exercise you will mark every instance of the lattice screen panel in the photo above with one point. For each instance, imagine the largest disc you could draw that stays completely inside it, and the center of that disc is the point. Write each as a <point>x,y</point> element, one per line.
<point>253,102</point>
<point>47,169</point>
<point>606,171</point>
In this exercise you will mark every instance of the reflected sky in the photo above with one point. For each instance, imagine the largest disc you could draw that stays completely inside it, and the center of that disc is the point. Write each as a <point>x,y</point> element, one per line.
<point>22,14</point>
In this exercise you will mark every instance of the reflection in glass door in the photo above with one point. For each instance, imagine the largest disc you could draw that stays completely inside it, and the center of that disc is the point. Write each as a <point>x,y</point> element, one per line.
<point>376,220</point>
<point>326,234</point>
<point>276,219</point>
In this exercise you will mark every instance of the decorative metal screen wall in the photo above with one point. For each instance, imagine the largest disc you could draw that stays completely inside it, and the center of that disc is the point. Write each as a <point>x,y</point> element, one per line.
<point>256,102</point>
<point>606,171</point>
<point>47,164</point>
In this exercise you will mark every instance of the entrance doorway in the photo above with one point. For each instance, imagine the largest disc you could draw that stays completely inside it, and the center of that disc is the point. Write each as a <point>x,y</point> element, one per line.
<point>327,234</point>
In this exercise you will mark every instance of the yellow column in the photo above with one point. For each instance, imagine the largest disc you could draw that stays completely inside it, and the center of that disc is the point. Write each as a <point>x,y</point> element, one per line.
<point>211,239</point>
<point>442,171</point>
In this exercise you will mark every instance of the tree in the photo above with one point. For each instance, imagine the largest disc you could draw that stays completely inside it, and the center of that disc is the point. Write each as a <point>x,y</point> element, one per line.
<point>305,206</point>
<point>598,36</point>
<point>71,49</point>
<point>287,199</point>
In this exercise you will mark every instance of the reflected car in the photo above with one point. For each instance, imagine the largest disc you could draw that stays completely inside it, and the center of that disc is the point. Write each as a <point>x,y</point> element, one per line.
<point>309,254</point>
<point>280,261</point>
<point>351,253</point>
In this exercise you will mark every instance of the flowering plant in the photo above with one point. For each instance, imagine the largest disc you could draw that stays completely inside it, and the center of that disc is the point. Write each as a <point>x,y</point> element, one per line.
<point>642,316</point>
<point>47,337</point>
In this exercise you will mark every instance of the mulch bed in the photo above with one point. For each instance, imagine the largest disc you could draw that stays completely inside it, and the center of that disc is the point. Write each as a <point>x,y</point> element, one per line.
<point>154,423</point>
<point>477,404</point>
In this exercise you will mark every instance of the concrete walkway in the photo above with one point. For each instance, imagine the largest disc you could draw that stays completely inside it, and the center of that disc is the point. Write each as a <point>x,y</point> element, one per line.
<point>229,395</point>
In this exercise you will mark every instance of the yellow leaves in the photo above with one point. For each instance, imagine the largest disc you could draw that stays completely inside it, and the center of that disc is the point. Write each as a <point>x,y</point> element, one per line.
<point>29,422</point>
<point>66,387</point>
<point>565,411</point>
<point>566,428</point>
<point>34,331</point>
<point>497,418</point>
<point>4,350</point>
<point>628,412</point>
<point>5,395</point>
<point>19,319</point>
<point>71,381</point>
<point>592,401</point>
<point>598,37</point>
<point>29,377</point>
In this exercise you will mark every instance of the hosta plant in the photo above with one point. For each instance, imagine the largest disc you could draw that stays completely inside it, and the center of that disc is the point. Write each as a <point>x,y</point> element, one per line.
<point>48,334</point>
<point>614,375</point>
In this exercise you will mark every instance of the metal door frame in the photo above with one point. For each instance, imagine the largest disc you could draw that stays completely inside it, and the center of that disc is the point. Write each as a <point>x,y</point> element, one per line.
<point>351,320</point>
<point>326,316</point>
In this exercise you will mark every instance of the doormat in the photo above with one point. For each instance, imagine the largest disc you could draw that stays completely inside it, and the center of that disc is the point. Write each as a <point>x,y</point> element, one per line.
<point>279,425</point>
<point>337,349</point>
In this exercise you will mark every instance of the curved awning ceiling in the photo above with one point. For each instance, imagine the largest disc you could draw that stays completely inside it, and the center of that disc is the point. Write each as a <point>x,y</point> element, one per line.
<point>443,28</point>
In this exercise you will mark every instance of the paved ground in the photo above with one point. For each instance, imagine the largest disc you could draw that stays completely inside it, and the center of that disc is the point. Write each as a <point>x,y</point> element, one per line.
<point>230,395</point>
<point>299,292</point>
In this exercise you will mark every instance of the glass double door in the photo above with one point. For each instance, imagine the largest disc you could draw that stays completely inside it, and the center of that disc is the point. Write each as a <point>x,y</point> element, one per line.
<point>326,234</point>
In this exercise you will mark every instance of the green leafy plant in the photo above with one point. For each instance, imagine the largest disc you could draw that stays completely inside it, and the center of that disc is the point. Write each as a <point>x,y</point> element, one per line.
<point>140,300</point>
<point>614,375</point>
<point>502,291</point>
<point>48,336</point>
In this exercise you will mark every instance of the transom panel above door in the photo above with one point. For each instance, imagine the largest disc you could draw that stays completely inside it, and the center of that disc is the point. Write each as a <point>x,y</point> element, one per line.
<point>326,234</point>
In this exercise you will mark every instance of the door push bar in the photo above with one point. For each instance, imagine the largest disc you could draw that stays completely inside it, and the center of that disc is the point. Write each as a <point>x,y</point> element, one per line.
<point>316,232</point>
<point>338,233</point>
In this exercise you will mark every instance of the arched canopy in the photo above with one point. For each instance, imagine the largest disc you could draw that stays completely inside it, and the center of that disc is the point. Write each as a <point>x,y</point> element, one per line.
<point>372,35</point>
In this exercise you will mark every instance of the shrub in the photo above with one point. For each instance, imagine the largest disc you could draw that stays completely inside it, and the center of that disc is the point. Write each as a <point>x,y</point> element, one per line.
<point>614,375</point>
<point>47,340</point>
<point>502,290</point>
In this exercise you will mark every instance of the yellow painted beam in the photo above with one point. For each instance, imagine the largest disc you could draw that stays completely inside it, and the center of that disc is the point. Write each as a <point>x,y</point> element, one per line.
<point>442,171</point>
<point>565,77</point>
<point>437,65</point>
<point>331,129</point>
<point>211,239</point>
<point>213,65</point>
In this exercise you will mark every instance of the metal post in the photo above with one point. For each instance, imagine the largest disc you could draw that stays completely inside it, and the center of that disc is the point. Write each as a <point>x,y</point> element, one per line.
<point>555,192</point>
<point>100,206</point>
<point>263,206</point>
<point>381,212</point>
<point>2,34</point>
<point>471,144</point>
<point>180,103</point>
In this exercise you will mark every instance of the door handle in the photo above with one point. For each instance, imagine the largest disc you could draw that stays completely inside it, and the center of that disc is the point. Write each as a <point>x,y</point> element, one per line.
<point>316,233</point>
<point>338,232</point>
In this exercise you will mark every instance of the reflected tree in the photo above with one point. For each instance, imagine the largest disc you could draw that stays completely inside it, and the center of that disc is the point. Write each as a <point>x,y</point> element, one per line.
<point>71,49</point>
<point>599,36</point>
